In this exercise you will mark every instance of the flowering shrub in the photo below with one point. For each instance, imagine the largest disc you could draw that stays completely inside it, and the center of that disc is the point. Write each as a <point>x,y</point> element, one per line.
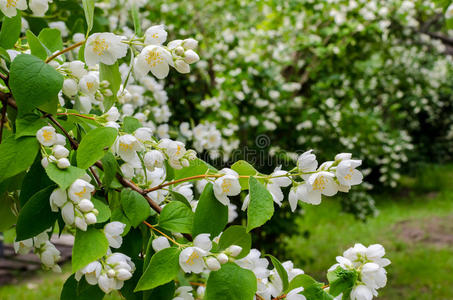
<point>86,150</point>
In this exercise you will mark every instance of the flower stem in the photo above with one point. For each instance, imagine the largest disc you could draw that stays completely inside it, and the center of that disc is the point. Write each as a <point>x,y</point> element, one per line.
<point>64,51</point>
<point>157,230</point>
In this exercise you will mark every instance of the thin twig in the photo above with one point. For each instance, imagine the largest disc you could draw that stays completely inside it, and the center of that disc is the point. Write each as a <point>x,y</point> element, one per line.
<point>96,177</point>
<point>64,51</point>
<point>74,144</point>
<point>74,114</point>
<point>157,230</point>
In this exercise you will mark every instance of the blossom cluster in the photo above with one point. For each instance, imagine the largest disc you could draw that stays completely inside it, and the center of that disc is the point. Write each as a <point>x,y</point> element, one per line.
<point>48,137</point>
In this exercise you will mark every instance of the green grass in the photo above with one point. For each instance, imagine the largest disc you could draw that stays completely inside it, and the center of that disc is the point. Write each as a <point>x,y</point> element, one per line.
<point>421,268</point>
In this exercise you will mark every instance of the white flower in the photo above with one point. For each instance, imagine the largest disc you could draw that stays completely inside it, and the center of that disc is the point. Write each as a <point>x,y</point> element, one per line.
<point>191,260</point>
<point>222,258</point>
<point>307,162</point>
<point>60,151</point>
<point>85,206</point>
<point>9,7</point>
<point>92,272</point>
<point>182,67</point>
<point>183,293</point>
<point>104,48</point>
<point>153,159</point>
<point>39,7</point>
<point>227,185</point>
<point>185,189</point>
<point>61,26</point>
<point>361,292</point>
<point>89,84</point>
<point>126,147</point>
<point>343,156</point>
<point>295,294</point>
<point>127,170</point>
<point>234,250</point>
<point>67,213</point>
<point>63,163</point>
<point>347,174</point>
<point>190,43</point>
<point>160,243</point>
<point>174,149</point>
<point>212,263</point>
<point>23,247</point>
<point>254,263</point>
<point>81,223</point>
<point>274,185</point>
<point>449,12</point>
<point>79,190</point>
<point>155,59</point>
<point>113,233</point>
<point>203,241</point>
<point>106,283</point>
<point>77,68</point>
<point>112,115</point>
<point>373,253</point>
<point>143,134</point>
<point>155,35</point>
<point>50,256</point>
<point>57,199</point>
<point>47,136</point>
<point>70,87</point>
<point>61,140</point>
<point>373,276</point>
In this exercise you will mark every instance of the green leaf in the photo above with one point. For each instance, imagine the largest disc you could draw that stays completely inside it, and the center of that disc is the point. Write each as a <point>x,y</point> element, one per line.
<point>196,167</point>
<point>16,155</point>
<point>73,289</point>
<point>130,124</point>
<point>211,216</point>
<point>110,168</point>
<point>36,47</point>
<point>36,216</point>
<point>88,8</point>
<point>301,280</point>
<point>112,74</point>
<point>261,206</point>
<point>179,197</point>
<point>135,207</point>
<point>7,218</point>
<point>341,281</point>
<point>34,83</point>
<point>104,210</point>
<point>136,19</point>
<point>176,217</point>
<point>244,168</point>
<point>163,268</point>
<point>10,31</point>
<point>236,235</point>
<point>35,180</point>
<point>51,38</point>
<point>94,146</point>
<point>29,124</point>
<point>231,282</point>
<point>316,292</point>
<point>312,289</point>
<point>64,178</point>
<point>280,270</point>
<point>89,246</point>
<point>163,292</point>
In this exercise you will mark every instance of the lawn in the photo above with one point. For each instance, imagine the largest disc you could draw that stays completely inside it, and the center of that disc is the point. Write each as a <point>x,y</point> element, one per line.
<point>415,224</point>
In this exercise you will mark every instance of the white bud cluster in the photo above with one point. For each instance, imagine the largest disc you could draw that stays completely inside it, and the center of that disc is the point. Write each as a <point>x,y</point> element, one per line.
<point>48,137</point>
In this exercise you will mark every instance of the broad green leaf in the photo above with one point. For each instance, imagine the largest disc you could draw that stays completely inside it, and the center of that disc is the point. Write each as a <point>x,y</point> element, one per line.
<point>36,47</point>
<point>7,217</point>
<point>104,210</point>
<point>73,289</point>
<point>280,270</point>
<point>211,216</point>
<point>236,235</point>
<point>316,292</point>
<point>136,19</point>
<point>51,38</point>
<point>163,268</point>
<point>88,8</point>
<point>176,217</point>
<point>35,180</point>
<point>179,197</point>
<point>94,146</point>
<point>261,206</point>
<point>34,83</point>
<point>36,216</point>
<point>135,207</point>
<point>163,292</point>
<point>244,168</point>
<point>130,124</point>
<point>29,124</point>
<point>312,289</point>
<point>197,167</point>
<point>301,280</point>
<point>89,246</point>
<point>231,282</point>
<point>110,168</point>
<point>112,74</point>
<point>64,177</point>
<point>17,155</point>
<point>341,281</point>
<point>10,31</point>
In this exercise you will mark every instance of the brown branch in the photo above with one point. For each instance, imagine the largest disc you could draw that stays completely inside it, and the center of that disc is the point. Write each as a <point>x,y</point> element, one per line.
<point>280,297</point>
<point>74,144</point>
<point>64,51</point>
<point>96,176</point>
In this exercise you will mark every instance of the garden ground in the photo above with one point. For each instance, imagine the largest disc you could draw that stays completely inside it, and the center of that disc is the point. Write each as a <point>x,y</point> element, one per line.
<point>415,224</point>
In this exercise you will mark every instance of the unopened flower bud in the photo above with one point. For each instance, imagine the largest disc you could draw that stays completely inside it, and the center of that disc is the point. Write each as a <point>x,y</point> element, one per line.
<point>160,243</point>
<point>212,263</point>
<point>90,218</point>
<point>179,51</point>
<point>70,87</point>
<point>190,43</point>
<point>223,258</point>
<point>60,151</point>
<point>182,67</point>
<point>86,205</point>
<point>111,273</point>
<point>191,57</point>
<point>123,274</point>
<point>185,163</point>
<point>234,250</point>
<point>63,163</point>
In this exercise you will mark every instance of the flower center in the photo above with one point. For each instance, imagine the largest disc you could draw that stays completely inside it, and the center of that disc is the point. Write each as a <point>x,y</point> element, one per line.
<point>100,46</point>
<point>90,85</point>
<point>11,3</point>
<point>191,260</point>
<point>154,58</point>
<point>349,175</point>
<point>47,135</point>
<point>320,183</point>
<point>81,193</point>
<point>125,147</point>
<point>155,35</point>
<point>226,184</point>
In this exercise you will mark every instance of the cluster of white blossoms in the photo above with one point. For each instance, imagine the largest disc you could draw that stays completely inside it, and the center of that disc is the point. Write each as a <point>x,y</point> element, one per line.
<point>48,137</point>
<point>41,246</point>
<point>38,7</point>
<point>113,269</point>
<point>328,179</point>
<point>369,263</point>
<point>75,203</point>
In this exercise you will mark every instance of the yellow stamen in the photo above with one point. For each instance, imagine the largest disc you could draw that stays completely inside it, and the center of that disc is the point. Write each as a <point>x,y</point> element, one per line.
<point>191,260</point>
<point>226,184</point>
<point>47,135</point>
<point>320,183</point>
<point>154,58</point>
<point>81,193</point>
<point>125,147</point>
<point>100,46</point>
<point>11,3</point>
